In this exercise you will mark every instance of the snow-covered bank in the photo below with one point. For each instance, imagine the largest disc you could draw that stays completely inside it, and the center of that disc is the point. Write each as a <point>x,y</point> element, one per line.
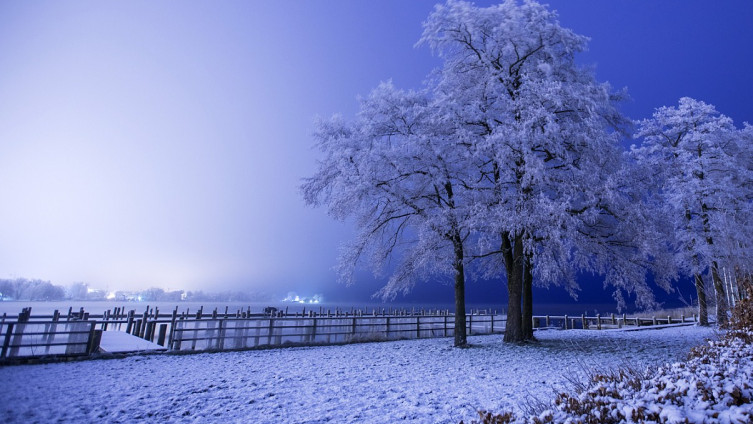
<point>424,381</point>
<point>714,386</point>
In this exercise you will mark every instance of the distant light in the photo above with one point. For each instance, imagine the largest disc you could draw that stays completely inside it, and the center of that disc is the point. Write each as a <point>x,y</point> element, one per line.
<point>110,295</point>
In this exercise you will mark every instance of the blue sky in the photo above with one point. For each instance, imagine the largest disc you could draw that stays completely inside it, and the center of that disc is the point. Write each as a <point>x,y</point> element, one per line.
<point>161,143</point>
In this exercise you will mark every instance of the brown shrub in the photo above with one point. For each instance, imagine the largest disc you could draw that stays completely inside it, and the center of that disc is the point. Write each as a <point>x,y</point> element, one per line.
<point>489,418</point>
<point>742,315</point>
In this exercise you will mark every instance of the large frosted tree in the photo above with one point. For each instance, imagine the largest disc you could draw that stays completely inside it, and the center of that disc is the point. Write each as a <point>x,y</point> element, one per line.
<point>695,153</point>
<point>542,134</point>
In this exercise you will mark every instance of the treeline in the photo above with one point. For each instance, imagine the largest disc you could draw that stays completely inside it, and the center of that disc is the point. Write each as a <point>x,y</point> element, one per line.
<point>25,289</point>
<point>159,295</point>
<point>39,290</point>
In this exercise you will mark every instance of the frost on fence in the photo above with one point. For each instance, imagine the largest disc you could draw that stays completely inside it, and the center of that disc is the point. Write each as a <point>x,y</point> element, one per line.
<point>224,334</point>
<point>47,338</point>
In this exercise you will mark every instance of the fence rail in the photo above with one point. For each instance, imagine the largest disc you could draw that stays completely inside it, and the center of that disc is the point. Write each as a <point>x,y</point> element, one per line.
<point>34,338</point>
<point>599,322</point>
<point>79,333</point>
<point>242,333</point>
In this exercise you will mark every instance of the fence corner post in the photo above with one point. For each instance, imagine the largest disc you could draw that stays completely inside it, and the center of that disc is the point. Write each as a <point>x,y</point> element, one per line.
<point>6,342</point>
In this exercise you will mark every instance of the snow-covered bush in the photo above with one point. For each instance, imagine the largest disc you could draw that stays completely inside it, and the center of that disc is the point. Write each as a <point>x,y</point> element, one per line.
<point>715,385</point>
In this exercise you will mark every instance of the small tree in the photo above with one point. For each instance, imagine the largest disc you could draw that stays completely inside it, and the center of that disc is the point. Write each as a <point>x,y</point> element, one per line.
<point>405,182</point>
<point>704,189</point>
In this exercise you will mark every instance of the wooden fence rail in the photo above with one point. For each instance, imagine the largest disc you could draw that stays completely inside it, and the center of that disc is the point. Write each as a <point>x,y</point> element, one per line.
<point>599,322</point>
<point>240,333</point>
<point>48,338</point>
<point>78,333</point>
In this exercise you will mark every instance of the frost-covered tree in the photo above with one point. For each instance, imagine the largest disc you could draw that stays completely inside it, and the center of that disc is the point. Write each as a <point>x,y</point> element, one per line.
<point>509,155</point>
<point>540,130</point>
<point>26,289</point>
<point>704,186</point>
<point>395,170</point>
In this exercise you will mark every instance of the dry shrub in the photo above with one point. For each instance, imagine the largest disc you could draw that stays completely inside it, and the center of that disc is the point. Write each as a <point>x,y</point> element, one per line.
<point>489,418</point>
<point>742,315</point>
<point>741,323</point>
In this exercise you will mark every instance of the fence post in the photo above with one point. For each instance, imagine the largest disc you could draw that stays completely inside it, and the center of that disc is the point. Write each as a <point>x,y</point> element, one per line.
<point>583,322</point>
<point>598,321</point>
<point>95,336</point>
<point>547,320</point>
<point>445,325</point>
<point>313,331</point>
<point>470,324</point>
<point>129,324</point>
<point>353,329</point>
<point>654,319</point>
<point>221,333</point>
<point>271,329</point>
<point>6,342</point>
<point>162,334</point>
<point>565,322</point>
<point>173,320</point>
<point>23,317</point>
<point>176,336</point>
<point>418,326</point>
<point>142,328</point>
<point>148,330</point>
<point>279,330</point>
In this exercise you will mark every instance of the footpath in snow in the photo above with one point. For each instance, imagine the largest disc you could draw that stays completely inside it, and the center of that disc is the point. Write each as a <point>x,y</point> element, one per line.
<point>419,381</point>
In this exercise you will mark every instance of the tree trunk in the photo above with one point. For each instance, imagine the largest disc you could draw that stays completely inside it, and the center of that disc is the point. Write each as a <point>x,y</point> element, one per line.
<point>514,264</point>
<point>460,333</point>
<point>703,314</point>
<point>721,297</point>
<point>527,314</point>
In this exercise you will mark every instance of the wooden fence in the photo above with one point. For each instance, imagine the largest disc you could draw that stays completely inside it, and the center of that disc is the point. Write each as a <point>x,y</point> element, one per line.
<point>242,333</point>
<point>599,322</point>
<point>78,333</point>
<point>41,337</point>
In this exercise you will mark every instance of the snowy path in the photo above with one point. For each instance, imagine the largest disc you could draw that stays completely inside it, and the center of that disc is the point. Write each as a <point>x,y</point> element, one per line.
<point>423,381</point>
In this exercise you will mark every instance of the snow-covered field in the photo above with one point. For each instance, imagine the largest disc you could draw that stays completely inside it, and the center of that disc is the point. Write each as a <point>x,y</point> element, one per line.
<point>423,381</point>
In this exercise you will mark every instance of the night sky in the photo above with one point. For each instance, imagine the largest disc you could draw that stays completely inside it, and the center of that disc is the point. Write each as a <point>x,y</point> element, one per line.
<point>161,144</point>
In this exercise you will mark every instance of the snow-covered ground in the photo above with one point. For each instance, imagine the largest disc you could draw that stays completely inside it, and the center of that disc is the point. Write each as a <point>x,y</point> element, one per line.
<point>423,381</point>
